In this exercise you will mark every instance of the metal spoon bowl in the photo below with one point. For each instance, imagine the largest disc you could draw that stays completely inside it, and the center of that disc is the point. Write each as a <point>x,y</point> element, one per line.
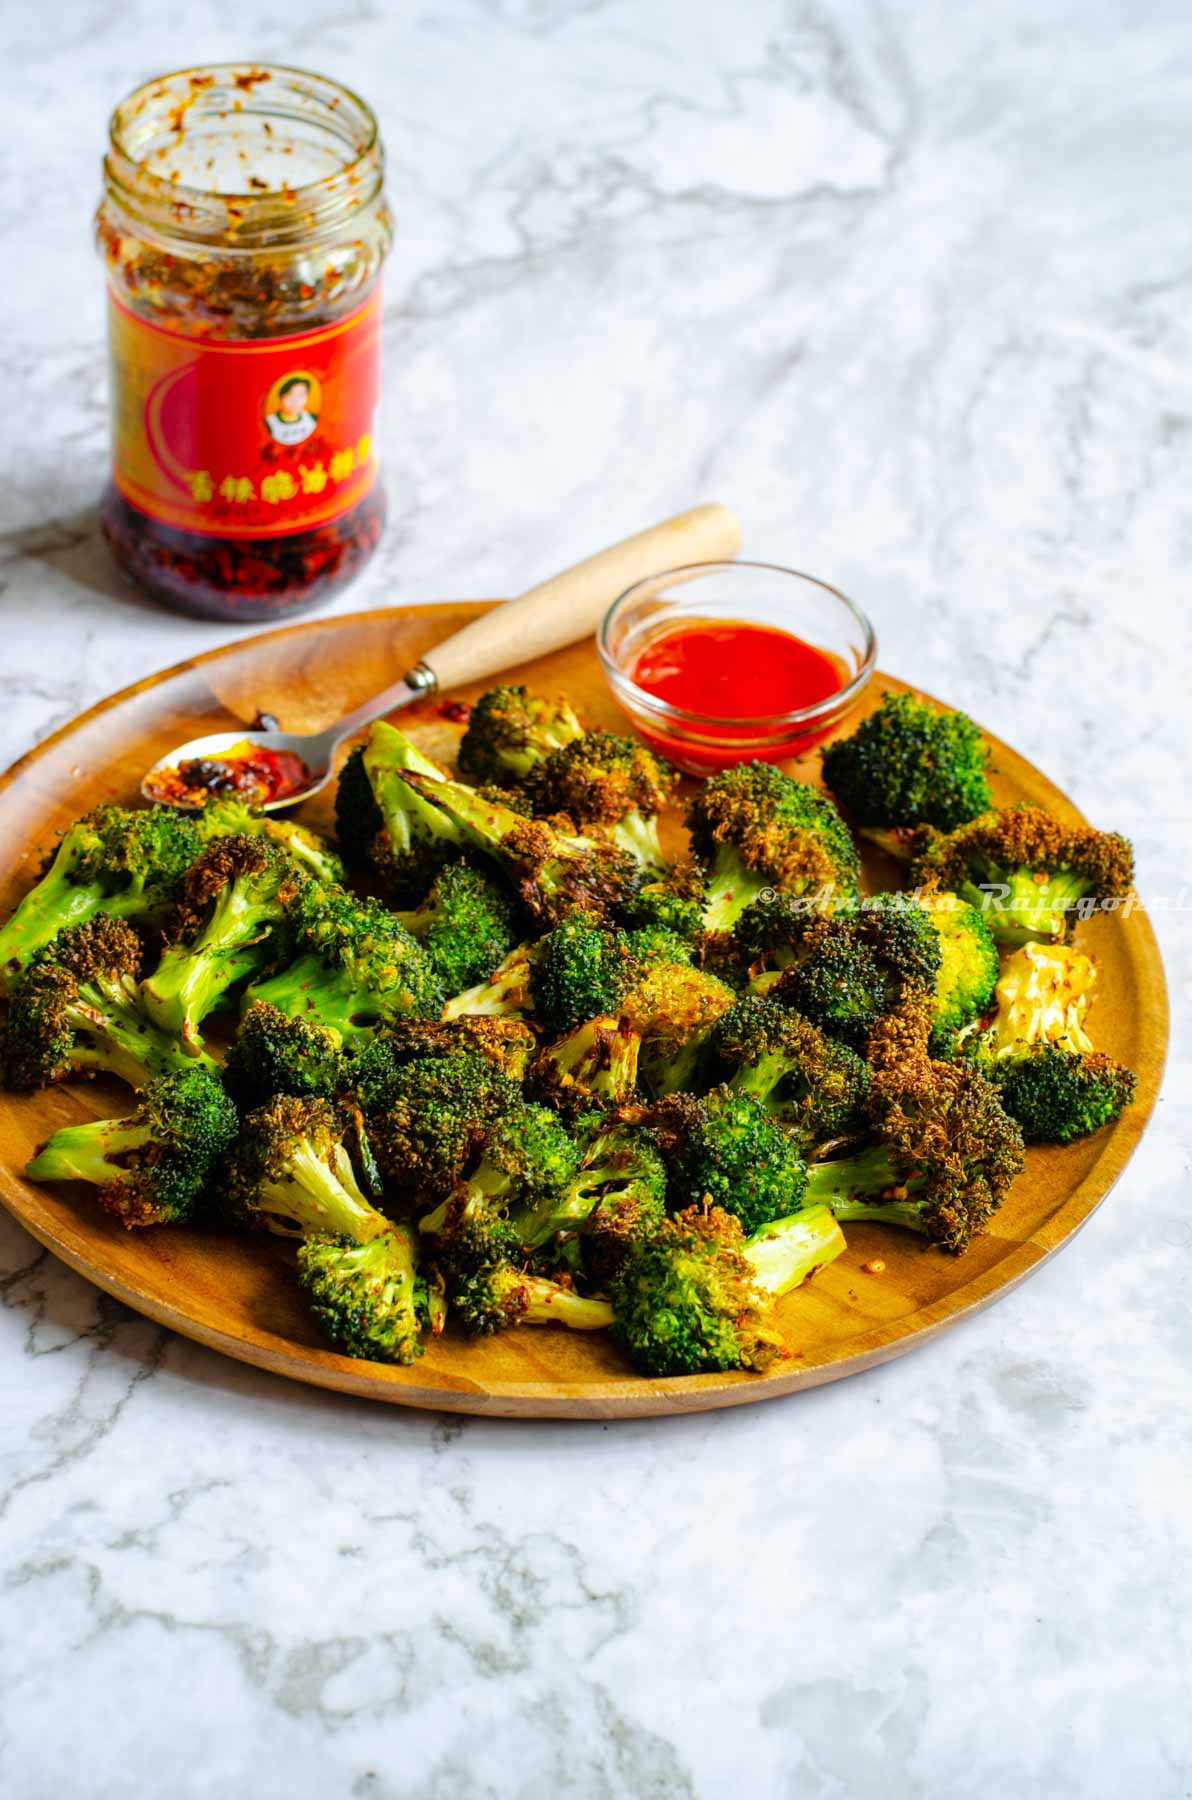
<point>317,749</point>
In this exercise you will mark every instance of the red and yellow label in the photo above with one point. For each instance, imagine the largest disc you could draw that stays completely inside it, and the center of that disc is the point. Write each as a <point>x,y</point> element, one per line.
<point>245,440</point>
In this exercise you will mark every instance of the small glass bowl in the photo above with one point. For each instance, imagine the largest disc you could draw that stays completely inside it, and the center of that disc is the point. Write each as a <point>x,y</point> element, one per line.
<point>746,593</point>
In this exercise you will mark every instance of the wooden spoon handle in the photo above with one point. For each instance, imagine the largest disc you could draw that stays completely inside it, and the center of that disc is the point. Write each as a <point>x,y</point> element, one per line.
<point>571,605</point>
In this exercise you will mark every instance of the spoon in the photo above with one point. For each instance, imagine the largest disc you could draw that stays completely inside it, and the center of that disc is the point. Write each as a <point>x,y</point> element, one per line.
<point>545,618</point>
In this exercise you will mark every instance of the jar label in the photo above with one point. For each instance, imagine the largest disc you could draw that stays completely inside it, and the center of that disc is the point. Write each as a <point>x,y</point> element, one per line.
<point>245,439</point>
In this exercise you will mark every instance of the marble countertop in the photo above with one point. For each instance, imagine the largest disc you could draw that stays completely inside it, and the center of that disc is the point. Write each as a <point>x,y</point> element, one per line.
<point>910,286</point>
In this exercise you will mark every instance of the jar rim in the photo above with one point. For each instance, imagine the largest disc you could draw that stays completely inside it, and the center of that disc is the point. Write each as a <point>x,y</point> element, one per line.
<point>247,217</point>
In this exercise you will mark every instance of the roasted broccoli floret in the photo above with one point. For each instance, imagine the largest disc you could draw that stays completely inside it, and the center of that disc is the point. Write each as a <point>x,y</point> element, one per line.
<point>673,901</point>
<point>526,1162</point>
<point>579,970</point>
<point>698,1296</point>
<point>492,1296</point>
<point>610,781</point>
<point>427,1120</point>
<point>757,829</point>
<point>1038,1053</point>
<point>291,1173</point>
<point>556,872</point>
<point>943,1157</point>
<point>910,764</point>
<point>76,1010</point>
<point>576,971</point>
<point>1027,872</point>
<point>1058,1095</point>
<point>276,1054</point>
<point>860,964</point>
<point>773,933</point>
<point>510,730</point>
<point>516,799</point>
<point>369,1297</point>
<point>508,1044</point>
<point>618,1197</point>
<point>673,1008</point>
<point>415,838</point>
<point>551,1199</point>
<point>128,864</point>
<point>648,944</point>
<point>481,1236</point>
<point>155,1166</point>
<point>357,968</point>
<point>465,925</point>
<point>230,921</point>
<point>594,1066</point>
<point>811,1083</point>
<point>1061,1095</point>
<point>506,994</point>
<point>724,1149</point>
<point>968,969</point>
<point>312,853</point>
<point>357,815</point>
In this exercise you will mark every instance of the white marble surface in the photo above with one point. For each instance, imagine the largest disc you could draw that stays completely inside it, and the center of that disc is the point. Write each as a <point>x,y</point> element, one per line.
<point>910,285</point>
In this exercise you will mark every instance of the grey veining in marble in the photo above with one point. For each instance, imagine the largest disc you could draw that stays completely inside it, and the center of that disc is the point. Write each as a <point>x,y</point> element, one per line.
<point>910,284</point>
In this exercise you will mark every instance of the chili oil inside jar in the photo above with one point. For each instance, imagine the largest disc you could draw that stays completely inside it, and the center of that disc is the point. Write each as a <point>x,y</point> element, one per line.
<point>243,227</point>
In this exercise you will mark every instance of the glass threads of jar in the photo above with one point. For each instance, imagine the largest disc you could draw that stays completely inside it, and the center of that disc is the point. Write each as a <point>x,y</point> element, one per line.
<point>243,227</point>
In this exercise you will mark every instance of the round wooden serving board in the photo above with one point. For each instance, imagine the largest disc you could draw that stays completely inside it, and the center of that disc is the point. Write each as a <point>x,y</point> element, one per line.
<point>238,1295</point>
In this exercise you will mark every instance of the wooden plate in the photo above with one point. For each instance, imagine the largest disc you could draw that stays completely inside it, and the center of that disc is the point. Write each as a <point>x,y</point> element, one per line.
<point>239,1295</point>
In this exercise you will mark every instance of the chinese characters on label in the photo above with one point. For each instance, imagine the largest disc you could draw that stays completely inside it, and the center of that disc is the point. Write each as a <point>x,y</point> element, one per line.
<point>281,485</point>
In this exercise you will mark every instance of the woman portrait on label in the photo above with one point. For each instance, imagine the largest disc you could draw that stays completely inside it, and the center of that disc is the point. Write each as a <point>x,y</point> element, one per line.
<point>294,415</point>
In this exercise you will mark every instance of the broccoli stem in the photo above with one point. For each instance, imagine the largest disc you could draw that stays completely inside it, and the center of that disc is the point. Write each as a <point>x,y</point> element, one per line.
<point>1019,908</point>
<point>436,1301</point>
<point>639,836</point>
<point>506,993</point>
<point>191,979</point>
<point>463,814</point>
<point>432,1224</point>
<point>467,1203</point>
<point>536,1225</point>
<point>471,1199</point>
<point>669,1070</point>
<point>184,988</point>
<point>731,889</point>
<point>117,1041</point>
<point>552,1304</point>
<point>323,1196</point>
<point>599,1058</point>
<point>309,987</point>
<point>85,1152</point>
<point>759,1079</point>
<point>902,842</point>
<point>785,1253</point>
<point>867,1186</point>
<point>387,754</point>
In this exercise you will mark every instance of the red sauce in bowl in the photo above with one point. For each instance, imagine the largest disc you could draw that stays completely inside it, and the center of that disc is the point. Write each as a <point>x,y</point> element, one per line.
<point>731,671</point>
<point>725,670</point>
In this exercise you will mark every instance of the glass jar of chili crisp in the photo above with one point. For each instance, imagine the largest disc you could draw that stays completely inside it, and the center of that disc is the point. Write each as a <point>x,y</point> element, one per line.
<point>243,227</point>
